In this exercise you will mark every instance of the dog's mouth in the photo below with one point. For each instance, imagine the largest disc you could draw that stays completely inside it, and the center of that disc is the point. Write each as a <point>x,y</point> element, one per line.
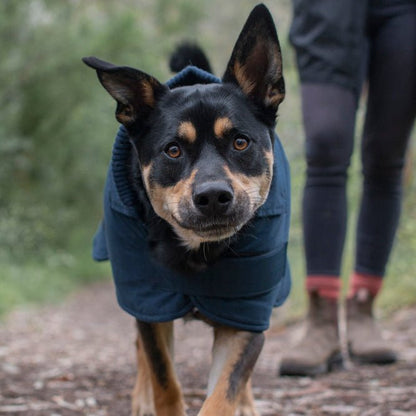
<point>213,229</point>
<point>217,232</point>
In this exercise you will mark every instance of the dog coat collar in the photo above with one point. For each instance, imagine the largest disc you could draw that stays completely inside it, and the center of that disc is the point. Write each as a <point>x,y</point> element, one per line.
<point>192,75</point>
<point>239,290</point>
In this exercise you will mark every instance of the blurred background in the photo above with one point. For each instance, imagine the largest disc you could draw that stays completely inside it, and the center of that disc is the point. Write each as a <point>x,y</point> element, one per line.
<point>57,128</point>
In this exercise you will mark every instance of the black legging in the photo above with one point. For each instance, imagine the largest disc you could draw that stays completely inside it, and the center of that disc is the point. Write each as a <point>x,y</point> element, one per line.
<point>329,119</point>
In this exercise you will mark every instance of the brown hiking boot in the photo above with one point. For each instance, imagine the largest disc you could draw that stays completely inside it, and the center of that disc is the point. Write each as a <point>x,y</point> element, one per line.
<point>365,342</point>
<point>319,350</point>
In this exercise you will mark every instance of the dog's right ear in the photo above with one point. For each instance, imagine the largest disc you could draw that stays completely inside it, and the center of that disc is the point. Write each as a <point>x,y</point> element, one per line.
<point>136,92</point>
<point>255,65</point>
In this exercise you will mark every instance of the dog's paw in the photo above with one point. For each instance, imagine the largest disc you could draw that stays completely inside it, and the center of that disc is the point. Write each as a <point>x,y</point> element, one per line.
<point>246,410</point>
<point>143,412</point>
<point>142,409</point>
<point>175,409</point>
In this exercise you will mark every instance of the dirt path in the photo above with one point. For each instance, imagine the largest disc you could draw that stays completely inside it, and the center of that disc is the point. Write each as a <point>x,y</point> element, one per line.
<point>78,359</point>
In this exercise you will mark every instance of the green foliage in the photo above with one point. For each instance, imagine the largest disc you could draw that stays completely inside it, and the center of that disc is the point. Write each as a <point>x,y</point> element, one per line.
<point>32,281</point>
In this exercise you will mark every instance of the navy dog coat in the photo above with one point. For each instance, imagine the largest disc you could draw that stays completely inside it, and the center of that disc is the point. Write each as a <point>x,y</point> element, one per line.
<point>239,290</point>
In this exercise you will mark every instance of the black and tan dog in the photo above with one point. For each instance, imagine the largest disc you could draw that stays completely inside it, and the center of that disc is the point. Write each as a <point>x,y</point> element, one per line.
<point>199,167</point>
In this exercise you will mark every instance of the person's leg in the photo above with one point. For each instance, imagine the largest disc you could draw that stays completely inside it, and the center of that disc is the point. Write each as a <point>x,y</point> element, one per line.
<point>329,118</point>
<point>390,114</point>
<point>330,44</point>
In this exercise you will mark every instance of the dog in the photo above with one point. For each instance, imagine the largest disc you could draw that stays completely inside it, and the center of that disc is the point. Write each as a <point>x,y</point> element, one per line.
<point>196,215</point>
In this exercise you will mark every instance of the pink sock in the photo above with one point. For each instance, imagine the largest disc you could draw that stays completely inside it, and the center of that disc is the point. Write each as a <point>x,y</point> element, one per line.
<point>326,286</point>
<point>369,282</point>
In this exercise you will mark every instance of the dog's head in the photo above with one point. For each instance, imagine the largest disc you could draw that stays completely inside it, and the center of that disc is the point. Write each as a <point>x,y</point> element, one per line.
<point>205,151</point>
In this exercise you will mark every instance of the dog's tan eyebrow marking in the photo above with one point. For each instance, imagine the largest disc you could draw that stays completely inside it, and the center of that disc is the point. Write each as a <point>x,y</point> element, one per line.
<point>221,126</point>
<point>187,131</point>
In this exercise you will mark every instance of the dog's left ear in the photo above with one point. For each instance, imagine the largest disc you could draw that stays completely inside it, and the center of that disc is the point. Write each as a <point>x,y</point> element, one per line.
<point>256,62</point>
<point>136,92</point>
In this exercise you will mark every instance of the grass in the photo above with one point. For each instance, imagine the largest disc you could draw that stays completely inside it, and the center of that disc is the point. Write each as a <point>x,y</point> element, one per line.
<point>50,278</point>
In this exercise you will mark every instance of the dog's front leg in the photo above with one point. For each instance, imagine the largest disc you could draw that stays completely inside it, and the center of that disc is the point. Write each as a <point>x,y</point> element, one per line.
<point>142,401</point>
<point>234,356</point>
<point>156,375</point>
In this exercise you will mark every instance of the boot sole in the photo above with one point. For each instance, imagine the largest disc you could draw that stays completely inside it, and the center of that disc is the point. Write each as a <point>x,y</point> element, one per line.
<point>378,359</point>
<point>334,362</point>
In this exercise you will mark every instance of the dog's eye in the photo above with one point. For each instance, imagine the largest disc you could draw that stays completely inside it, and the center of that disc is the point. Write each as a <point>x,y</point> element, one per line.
<point>173,150</point>
<point>240,143</point>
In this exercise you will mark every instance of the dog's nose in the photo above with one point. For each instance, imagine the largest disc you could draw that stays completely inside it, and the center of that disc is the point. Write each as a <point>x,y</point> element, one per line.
<point>213,198</point>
